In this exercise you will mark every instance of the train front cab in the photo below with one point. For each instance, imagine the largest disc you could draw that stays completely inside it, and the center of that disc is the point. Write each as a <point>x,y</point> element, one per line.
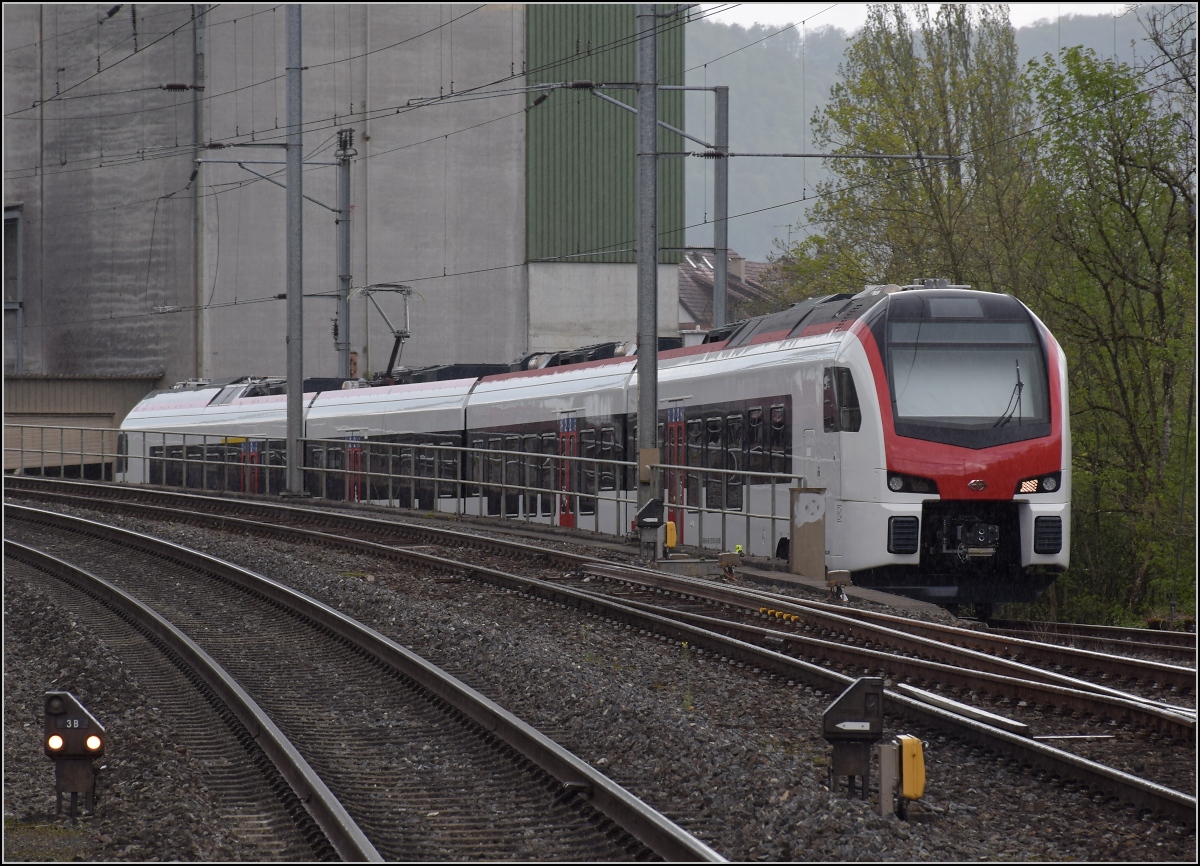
<point>972,505</point>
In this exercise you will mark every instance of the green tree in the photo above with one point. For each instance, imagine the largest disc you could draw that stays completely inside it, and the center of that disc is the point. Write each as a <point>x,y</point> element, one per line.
<point>1074,191</point>
<point>1114,184</point>
<point>948,87</point>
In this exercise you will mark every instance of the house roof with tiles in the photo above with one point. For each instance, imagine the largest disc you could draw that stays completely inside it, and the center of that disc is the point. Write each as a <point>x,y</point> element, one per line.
<point>696,275</point>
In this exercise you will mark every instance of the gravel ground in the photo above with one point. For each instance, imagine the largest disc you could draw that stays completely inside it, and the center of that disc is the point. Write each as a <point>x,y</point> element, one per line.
<point>736,757</point>
<point>147,808</point>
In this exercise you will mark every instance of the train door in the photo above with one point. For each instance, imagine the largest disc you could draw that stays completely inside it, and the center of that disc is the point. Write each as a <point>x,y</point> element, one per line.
<point>354,489</point>
<point>568,446</point>
<point>251,457</point>
<point>676,458</point>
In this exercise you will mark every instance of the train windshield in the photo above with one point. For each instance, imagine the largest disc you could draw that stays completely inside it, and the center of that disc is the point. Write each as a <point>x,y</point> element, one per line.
<point>967,382</point>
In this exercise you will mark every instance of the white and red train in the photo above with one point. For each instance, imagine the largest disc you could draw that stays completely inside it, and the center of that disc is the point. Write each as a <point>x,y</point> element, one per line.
<point>934,419</point>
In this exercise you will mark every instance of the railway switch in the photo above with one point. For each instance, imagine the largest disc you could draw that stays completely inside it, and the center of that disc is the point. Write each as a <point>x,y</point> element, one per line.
<point>837,581</point>
<point>852,723</point>
<point>74,739</point>
<point>901,774</point>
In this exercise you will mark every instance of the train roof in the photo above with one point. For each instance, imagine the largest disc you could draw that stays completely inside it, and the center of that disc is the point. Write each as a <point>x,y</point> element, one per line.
<point>811,317</point>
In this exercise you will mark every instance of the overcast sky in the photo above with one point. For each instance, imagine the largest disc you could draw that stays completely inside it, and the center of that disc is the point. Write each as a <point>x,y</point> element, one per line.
<point>850,16</point>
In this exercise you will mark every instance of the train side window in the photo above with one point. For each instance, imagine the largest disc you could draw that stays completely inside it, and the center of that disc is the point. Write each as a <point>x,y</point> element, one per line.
<point>587,448</point>
<point>495,461</point>
<point>840,403</point>
<point>631,450</point>
<point>778,438</point>
<point>475,467</point>
<point>549,476</point>
<point>735,446</point>
<point>695,456</point>
<point>512,462</point>
<point>713,429</point>
<point>714,483</point>
<point>755,439</point>
<point>533,461</point>
<point>608,453</point>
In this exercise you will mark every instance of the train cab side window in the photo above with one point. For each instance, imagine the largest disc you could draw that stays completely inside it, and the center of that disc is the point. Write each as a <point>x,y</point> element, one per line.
<point>840,403</point>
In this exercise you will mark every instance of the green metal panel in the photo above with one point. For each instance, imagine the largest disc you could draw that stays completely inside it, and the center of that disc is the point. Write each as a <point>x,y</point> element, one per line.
<point>581,152</point>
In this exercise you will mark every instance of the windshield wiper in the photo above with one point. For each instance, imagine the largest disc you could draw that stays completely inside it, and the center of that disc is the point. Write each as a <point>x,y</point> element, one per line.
<point>1014,401</point>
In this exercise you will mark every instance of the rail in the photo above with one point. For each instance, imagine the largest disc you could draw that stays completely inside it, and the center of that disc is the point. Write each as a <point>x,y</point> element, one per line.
<point>326,810</point>
<point>639,819</point>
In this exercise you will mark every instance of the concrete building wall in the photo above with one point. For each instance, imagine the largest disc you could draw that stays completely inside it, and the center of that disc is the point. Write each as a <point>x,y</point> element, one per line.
<point>99,170</point>
<point>437,189</point>
<point>578,305</point>
<point>97,165</point>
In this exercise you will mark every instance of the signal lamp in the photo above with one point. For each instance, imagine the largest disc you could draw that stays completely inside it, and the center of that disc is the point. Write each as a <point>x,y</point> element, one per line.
<point>93,743</point>
<point>55,742</point>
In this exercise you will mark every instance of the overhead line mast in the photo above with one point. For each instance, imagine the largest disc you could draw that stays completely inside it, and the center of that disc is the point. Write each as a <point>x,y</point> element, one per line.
<point>647,271</point>
<point>295,256</point>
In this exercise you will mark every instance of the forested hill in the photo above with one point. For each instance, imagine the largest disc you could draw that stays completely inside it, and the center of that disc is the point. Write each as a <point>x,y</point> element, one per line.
<point>774,88</point>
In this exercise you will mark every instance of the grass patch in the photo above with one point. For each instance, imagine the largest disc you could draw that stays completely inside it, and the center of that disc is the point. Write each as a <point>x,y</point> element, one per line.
<point>40,841</point>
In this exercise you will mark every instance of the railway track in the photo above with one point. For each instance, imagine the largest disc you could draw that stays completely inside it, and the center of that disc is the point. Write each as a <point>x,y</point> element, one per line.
<point>429,768</point>
<point>257,804</point>
<point>748,648</point>
<point>434,539</point>
<point>1176,645</point>
<point>1100,669</point>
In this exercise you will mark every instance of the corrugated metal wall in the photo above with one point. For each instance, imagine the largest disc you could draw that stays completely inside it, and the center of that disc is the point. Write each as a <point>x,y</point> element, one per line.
<point>581,151</point>
<point>75,395</point>
<point>37,407</point>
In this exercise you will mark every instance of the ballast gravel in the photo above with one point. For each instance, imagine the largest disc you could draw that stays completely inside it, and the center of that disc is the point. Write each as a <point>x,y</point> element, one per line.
<point>732,755</point>
<point>152,802</point>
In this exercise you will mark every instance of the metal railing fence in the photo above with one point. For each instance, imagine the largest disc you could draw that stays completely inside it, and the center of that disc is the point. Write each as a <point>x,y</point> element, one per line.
<point>532,486</point>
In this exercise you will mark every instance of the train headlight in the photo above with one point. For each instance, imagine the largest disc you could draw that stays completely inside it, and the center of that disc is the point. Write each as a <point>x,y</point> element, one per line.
<point>899,482</point>
<point>93,743</point>
<point>55,742</point>
<point>1050,483</point>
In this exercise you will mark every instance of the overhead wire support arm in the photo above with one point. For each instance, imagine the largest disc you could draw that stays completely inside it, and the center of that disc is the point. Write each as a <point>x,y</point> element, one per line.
<point>245,162</point>
<point>716,154</point>
<point>661,123</point>
<point>218,145</point>
<point>284,186</point>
